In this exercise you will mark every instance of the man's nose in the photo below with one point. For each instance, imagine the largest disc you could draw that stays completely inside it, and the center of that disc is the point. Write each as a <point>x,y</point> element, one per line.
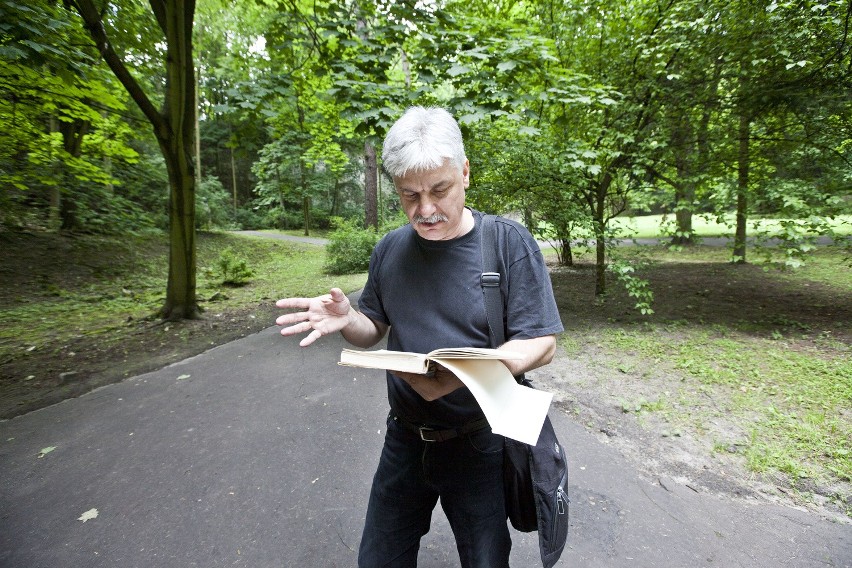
<point>426,206</point>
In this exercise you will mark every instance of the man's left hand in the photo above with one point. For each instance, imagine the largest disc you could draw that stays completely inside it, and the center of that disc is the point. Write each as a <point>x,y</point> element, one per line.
<point>442,383</point>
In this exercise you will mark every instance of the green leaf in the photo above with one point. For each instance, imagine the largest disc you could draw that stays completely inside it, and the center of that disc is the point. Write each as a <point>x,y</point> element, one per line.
<point>46,451</point>
<point>471,118</point>
<point>88,515</point>
<point>457,70</point>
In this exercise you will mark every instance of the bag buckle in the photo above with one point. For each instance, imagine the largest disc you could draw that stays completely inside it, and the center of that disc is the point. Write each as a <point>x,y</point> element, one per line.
<point>490,279</point>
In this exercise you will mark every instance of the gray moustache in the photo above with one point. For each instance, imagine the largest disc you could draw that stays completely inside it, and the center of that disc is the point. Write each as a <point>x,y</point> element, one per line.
<point>437,217</point>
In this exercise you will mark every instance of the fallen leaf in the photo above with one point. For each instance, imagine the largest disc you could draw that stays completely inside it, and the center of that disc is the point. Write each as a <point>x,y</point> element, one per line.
<point>46,451</point>
<point>89,515</point>
<point>182,377</point>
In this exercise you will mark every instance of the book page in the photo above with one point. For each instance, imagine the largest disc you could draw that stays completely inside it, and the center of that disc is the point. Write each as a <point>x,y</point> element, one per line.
<point>512,410</point>
<point>416,362</point>
<point>473,353</point>
<point>384,359</point>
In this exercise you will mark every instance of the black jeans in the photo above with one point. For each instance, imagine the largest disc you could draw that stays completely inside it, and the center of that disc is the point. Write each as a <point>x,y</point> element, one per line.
<point>465,473</point>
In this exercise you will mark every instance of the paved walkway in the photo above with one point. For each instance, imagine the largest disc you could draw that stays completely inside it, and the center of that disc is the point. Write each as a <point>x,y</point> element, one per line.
<point>260,454</point>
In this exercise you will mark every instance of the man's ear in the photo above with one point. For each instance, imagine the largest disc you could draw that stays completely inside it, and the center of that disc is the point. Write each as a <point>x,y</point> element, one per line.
<point>466,173</point>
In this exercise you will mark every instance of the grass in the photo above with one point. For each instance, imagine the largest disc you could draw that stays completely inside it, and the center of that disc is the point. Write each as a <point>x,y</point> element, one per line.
<point>794,403</point>
<point>126,282</point>
<point>787,382</point>
<point>648,226</point>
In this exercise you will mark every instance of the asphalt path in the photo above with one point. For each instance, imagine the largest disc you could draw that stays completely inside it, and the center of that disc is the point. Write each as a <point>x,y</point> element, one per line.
<point>260,453</point>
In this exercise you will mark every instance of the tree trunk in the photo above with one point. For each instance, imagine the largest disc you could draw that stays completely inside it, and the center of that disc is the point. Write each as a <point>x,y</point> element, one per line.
<point>684,190</point>
<point>600,233</point>
<point>73,134</point>
<point>371,183</point>
<point>567,253</point>
<point>600,260</point>
<point>739,255</point>
<point>234,178</point>
<point>55,191</point>
<point>174,129</point>
<point>198,174</point>
<point>335,197</point>
<point>175,19</point>
<point>181,301</point>
<point>595,197</point>
<point>306,213</point>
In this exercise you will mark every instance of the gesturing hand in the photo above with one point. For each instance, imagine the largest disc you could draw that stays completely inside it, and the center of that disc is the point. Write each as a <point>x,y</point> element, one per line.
<point>322,315</point>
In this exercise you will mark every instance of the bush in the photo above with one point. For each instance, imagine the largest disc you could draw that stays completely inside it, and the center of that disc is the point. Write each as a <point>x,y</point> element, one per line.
<point>231,269</point>
<point>349,247</point>
<point>248,219</point>
<point>213,206</point>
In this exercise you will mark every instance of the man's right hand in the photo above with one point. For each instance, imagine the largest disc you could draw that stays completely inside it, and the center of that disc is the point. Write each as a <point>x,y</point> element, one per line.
<point>321,315</point>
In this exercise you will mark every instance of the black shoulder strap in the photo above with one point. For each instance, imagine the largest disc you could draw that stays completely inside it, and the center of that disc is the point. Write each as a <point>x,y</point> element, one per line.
<point>490,281</point>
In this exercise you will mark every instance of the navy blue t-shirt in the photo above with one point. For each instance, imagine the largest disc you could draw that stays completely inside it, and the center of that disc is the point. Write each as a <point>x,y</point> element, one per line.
<point>429,293</point>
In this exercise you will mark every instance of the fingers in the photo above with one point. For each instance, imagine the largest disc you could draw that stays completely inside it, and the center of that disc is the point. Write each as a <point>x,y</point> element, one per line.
<point>298,328</point>
<point>288,319</point>
<point>301,322</point>
<point>299,303</point>
<point>310,338</point>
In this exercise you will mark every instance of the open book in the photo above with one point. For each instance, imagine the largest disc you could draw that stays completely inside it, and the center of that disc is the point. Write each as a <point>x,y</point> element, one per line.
<point>512,410</point>
<point>408,362</point>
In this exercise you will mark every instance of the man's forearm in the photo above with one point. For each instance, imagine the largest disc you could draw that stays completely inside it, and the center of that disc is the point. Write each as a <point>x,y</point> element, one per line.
<point>361,331</point>
<point>538,351</point>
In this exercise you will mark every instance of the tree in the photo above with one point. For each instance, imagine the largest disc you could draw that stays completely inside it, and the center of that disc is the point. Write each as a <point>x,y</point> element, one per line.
<point>59,124</point>
<point>174,129</point>
<point>231,60</point>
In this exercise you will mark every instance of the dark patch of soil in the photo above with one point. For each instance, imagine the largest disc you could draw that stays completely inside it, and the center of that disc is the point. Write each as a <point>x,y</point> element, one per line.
<point>35,266</point>
<point>86,363</point>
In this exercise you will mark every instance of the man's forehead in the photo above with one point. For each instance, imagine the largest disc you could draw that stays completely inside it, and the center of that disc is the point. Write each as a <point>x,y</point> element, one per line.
<point>427,178</point>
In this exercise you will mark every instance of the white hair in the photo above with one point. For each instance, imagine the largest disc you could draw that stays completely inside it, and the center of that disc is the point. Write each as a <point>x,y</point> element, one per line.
<point>421,140</point>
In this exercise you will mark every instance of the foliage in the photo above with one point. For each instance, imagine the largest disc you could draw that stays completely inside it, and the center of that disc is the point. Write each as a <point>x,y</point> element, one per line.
<point>573,114</point>
<point>637,288</point>
<point>213,205</point>
<point>349,247</point>
<point>61,137</point>
<point>231,269</point>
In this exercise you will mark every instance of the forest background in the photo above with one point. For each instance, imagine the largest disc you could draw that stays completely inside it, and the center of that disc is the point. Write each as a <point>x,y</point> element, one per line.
<point>147,125</point>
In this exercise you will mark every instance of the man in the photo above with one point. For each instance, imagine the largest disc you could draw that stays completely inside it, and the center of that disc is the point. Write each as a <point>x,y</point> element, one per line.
<point>424,288</point>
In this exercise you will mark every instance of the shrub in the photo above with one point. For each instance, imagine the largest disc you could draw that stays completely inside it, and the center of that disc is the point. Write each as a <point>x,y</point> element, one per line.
<point>231,269</point>
<point>248,219</point>
<point>213,206</point>
<point>349,247</point>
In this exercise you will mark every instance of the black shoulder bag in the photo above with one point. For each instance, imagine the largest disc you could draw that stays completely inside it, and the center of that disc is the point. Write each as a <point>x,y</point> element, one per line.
<point>534,477</point>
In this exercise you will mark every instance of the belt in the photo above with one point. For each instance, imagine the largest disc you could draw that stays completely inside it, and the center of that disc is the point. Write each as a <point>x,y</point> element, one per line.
<point>428,434</point>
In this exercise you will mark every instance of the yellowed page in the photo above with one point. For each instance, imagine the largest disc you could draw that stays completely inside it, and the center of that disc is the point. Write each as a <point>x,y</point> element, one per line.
<point>513,410</point>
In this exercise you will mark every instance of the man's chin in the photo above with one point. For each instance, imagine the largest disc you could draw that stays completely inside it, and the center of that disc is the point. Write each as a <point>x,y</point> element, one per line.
<point>430,231</point>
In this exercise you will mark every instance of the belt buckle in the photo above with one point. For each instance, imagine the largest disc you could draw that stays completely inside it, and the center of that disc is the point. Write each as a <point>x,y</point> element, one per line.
<point>423,430</point>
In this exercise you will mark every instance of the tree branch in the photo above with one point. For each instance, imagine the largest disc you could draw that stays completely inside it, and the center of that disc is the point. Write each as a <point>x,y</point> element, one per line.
<point>94,25</point>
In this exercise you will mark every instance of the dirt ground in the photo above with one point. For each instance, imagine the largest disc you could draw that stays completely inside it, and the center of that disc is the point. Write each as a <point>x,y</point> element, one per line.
<point>586,383</point>
<point>592,384</point>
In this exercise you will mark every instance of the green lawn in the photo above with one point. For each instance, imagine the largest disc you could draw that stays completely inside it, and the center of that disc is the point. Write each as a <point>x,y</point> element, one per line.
<point>649,226</point>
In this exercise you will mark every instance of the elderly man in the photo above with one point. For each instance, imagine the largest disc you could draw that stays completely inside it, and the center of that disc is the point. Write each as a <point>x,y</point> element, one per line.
<point>424,289</point>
